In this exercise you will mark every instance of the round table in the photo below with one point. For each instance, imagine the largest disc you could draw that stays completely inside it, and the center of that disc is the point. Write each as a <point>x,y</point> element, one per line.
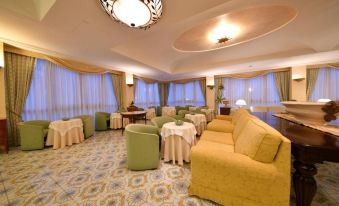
<point>199,121</point>
<point>209,114</point>
<point>177,141</point>
<point>168,111</point>
<point>115,121</point>
<point>62,133</point>
<point>150,113</point>
<point>133,116</point>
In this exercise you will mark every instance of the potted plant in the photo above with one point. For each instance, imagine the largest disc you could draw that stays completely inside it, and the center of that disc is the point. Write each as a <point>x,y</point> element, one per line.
<point>219,99</point>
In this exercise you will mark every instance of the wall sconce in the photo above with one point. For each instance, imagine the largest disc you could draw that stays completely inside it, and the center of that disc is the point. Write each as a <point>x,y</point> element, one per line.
<point>298,77</point>
<point>2,58</point>
<point>210,82</point>
<point>129,79</point>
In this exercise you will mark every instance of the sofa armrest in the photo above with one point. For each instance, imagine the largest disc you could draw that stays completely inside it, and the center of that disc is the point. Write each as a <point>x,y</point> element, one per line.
<point>224,117</point>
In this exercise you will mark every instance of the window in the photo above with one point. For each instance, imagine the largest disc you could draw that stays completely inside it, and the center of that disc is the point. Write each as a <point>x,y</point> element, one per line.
<point>327,85</point>
<point>146,95</point>
<point>186,94</point>
<point>258,91</point>
<point>56,93</point>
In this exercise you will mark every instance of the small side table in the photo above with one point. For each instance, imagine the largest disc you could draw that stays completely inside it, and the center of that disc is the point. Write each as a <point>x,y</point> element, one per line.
<point>225,110</point>
<point>3,135</point>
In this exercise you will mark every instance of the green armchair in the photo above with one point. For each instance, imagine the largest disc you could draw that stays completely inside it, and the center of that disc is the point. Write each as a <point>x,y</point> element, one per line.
<point>159,121</point>
<point>179,108</point>
<point>88,125</point>
<point>182,113</point>
<point>178,117</point>
<point>142,147</point>
<point>102,121</point>
<point>33,133</point>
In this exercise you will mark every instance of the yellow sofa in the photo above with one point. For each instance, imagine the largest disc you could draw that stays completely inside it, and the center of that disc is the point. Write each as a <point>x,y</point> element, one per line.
<point>250,166</point>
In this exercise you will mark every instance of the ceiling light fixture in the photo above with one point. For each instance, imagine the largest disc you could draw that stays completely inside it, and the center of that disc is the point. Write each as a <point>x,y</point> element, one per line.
<point>134,13</point>
<point>223,33</point>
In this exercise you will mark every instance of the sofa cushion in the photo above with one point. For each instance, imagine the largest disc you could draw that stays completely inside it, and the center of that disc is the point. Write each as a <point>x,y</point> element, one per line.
<point>218,137</point>
<point>237,114</point>
<point>220,126</point>
<point>211,147</point>
<point>258,141</point>
<point>240,125</point>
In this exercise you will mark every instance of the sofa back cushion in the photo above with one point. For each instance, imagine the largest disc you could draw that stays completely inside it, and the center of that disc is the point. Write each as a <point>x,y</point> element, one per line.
<point>240,125</point>
<point>237,114</point>
<point>258,140</point>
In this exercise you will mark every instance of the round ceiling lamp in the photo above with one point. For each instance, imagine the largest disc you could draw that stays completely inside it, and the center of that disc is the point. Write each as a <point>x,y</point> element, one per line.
<point>134,13</point>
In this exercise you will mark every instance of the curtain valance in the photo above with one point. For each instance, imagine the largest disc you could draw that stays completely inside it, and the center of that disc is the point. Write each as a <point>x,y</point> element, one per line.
<point>66,63</point>
<point>248,75</point>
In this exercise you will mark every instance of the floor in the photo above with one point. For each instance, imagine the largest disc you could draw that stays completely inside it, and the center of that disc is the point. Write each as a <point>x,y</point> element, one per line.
<point>94,173</point>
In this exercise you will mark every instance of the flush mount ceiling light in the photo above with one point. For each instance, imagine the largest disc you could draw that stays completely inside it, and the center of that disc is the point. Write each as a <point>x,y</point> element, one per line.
<point>223,33</point>
<point>134,13</point>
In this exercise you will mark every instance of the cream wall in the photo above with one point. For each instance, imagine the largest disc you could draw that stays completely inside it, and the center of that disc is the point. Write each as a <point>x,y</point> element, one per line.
<point>298,88</point>
<point>2,95</point>
<point>128,91</point>
<point>210,98</point>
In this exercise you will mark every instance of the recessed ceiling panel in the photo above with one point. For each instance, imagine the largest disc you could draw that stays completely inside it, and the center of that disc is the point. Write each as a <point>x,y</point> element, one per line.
<point>234,28</point>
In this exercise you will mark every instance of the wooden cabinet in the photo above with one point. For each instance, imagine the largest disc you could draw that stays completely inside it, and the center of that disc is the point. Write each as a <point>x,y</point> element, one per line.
<point>225,110</point>
<point>3,135</point>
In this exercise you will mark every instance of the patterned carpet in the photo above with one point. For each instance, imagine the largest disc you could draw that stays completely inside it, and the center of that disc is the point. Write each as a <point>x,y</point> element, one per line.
<point>94,173</point>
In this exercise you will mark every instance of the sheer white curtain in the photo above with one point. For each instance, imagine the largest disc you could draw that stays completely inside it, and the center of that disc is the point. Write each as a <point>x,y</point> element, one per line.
<point>146,95</point>
<point>258,91</point>
<point>56,93</point>
<point>327,85</point>
<point>186,94</point>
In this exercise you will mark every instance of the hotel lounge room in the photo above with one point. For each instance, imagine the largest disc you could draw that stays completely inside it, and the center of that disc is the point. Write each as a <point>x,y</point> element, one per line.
<point>169,102</point>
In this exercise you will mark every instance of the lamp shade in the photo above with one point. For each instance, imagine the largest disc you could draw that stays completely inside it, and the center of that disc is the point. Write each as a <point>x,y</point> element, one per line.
<point>240,102</point>
<point>323,100</point>
<point>129,79</point>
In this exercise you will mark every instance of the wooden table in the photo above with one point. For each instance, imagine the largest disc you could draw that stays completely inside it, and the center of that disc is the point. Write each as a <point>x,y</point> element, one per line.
<point>309,146</point>
<point>3,135</point>
<point>225,110</point>
<point>132,116</point>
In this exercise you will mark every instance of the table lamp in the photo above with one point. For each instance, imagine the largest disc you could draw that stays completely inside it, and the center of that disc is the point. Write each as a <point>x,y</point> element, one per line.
<point>240,103</point>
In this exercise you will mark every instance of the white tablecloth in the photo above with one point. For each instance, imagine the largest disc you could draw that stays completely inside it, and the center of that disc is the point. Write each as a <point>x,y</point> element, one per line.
<point>62,133</point>
<point>199,121</point>
<point>150,113</point>
<point>209,114</point>
<point>168,111</point>
<point>115,121</point>
<point>177,141</point>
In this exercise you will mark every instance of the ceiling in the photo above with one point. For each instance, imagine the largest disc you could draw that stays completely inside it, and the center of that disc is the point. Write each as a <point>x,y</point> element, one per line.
<point>82,31</point>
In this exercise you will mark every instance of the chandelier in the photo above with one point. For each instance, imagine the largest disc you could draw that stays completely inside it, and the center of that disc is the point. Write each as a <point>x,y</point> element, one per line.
<point>134,13</point>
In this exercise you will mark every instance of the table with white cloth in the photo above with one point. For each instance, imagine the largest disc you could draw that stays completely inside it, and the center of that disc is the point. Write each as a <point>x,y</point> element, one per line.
<point>62,133</point>
<point>177,141</point>
<point>150,113</point>
<point>209,114</point>
<point>115,121</point>
<point>199,121</point>
<point>168,111</point>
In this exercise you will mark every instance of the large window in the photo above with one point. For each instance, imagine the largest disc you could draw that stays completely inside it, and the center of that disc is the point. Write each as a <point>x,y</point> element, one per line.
<point>186,94</point>
<point>56,93</point>
<point>258,91</point>
<point>146,95</point>
<point>327,85</point>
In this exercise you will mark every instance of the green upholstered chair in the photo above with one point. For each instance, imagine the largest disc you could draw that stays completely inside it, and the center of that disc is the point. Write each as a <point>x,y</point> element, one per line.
<point>179,117</point>
<point>88,124</point>
<point>102,121</point>
<point>33,134</point>
<point>182,113</point>
<point>178,108</point>
<point>142,143</point>
<point>159,121</point>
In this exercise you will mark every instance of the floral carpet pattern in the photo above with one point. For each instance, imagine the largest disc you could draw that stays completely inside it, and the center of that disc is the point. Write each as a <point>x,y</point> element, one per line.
<point>94,173</point>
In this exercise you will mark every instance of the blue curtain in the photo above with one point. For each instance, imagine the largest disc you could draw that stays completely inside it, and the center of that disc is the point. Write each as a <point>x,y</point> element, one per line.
<point>327,85</point>
<point>258,91</point>
<point>186,94</point>
<point>146,94</point>
<point>56,93</point>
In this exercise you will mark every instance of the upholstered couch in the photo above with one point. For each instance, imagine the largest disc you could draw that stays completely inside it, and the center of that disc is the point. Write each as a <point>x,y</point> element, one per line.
<point>248,166</point>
